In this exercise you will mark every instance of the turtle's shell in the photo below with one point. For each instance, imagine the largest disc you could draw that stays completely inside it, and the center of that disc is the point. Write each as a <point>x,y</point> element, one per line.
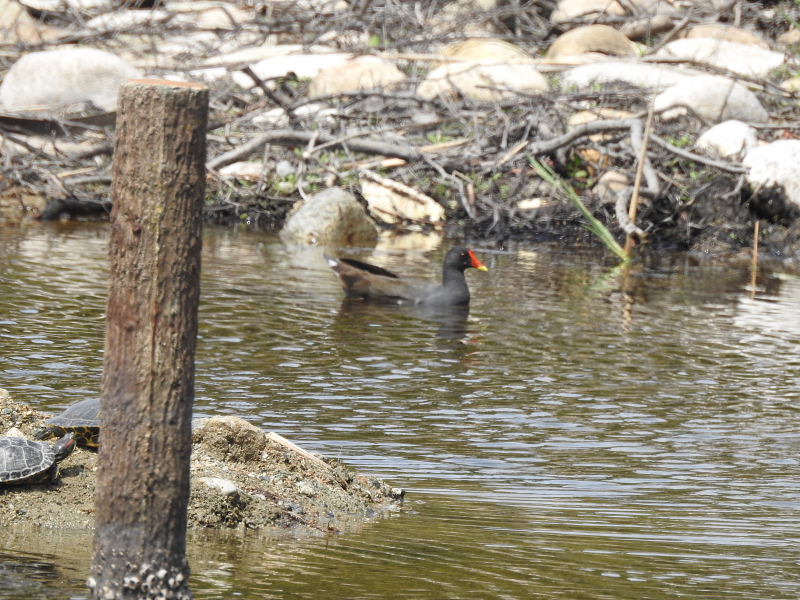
<point>81,419</point>
<point>26,461</point>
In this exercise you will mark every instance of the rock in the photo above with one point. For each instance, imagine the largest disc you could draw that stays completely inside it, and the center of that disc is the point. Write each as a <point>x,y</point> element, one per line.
<point>230,438</point>
<point>775,164</point>
<point>55,79</point>
<point>393,202</point>
<point>789,38</point>
<point>277,117</point>
<point>482,82</point>
<point>570,10</point>
<point>225,486</point>
<point>214,16</point>
<point>15,432</point>
<point>257,53</point>
<point>641,75</point>
<point>284,168</point>
<point>744,59</point>
<point>610,185</point>
<point>726,32</point>
<point>53,146</point>
<point>712,98</point>
<point>486,49</point>
<point>17,26</point>
<point>792,84</point>
<point>70,6</point>
<point>249,170</point>
<point>306,487</point>
<point>121,20</point>
<point>332,217</point>
<point>305,66</point>
<point>359,73</point>
<point>728,140</point>
<point>591,38</point>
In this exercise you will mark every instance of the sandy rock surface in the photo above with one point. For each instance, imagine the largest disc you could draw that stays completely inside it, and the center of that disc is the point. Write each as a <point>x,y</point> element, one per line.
<point>241,478</point>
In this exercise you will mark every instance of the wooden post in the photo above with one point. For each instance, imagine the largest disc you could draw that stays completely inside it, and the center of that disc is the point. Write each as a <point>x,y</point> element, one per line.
<point>151,328</point>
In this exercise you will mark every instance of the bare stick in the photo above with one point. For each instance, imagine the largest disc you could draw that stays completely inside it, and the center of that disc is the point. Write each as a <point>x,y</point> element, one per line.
<point>637,180</point>
<point>279,439</point>
<point>754,263</point>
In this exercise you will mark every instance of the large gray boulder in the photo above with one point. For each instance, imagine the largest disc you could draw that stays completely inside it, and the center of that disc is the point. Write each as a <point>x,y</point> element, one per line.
<point>332,217</point>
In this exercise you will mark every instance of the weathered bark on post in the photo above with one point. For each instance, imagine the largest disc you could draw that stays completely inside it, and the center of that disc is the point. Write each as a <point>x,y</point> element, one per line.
<point>151,327</point>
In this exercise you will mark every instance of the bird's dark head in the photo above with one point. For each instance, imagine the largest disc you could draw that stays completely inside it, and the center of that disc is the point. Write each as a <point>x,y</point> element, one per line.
<point>463,258</point>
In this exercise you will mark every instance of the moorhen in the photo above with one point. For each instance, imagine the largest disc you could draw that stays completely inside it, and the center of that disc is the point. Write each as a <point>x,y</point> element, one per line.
<point>369,282</point>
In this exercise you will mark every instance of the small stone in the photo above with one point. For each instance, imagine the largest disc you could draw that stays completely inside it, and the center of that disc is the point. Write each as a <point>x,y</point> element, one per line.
<point>284,168</point>
<point>306,488</point>
<point>225,486</point>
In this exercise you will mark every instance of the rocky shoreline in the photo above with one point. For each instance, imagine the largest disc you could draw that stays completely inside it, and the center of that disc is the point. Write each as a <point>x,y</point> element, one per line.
<point>242,478</point>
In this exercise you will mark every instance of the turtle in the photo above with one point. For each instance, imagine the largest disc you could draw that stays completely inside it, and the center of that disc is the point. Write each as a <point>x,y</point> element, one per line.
<point>26,461</point>
<point>81,419</point>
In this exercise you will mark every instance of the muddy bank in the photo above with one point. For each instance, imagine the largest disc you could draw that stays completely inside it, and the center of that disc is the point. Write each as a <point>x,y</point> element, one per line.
<point>241,478</point>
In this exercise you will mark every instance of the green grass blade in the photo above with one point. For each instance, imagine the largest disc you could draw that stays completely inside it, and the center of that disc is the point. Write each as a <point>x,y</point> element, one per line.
<point>593,225</point>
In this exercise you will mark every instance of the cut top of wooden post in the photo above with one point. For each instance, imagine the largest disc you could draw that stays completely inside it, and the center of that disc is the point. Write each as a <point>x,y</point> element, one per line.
<point>167,82</point>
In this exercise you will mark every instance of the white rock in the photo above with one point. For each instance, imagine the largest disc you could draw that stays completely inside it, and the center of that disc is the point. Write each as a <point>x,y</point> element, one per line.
<point>570,10</point>
<point>393,202</point>
<point>359,73</point>
<point>276,117</point>
<point>744,59</point>
<point>304,66</point>
<point>642,75</point>
<point>729,140</point>
<point>254,54</point>
<point>54,79</point>
<point>217,16</point>
<point>125,19</point>
<point>245,170</point>
<point>306,487</point>
<point>71,6</point>
<point>14,432</point>
<point>225,486</point>
<point>726,32</point>
<point>775,164</point>
<point>485,82</point>
<point>712,98</point>
<point>486,49</point>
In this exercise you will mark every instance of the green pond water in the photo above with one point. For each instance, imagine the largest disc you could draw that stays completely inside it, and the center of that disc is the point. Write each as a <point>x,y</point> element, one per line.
<point>580,435</point>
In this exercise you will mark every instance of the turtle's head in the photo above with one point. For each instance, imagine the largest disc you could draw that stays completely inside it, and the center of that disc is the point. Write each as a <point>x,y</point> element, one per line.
<point>64,447</point>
